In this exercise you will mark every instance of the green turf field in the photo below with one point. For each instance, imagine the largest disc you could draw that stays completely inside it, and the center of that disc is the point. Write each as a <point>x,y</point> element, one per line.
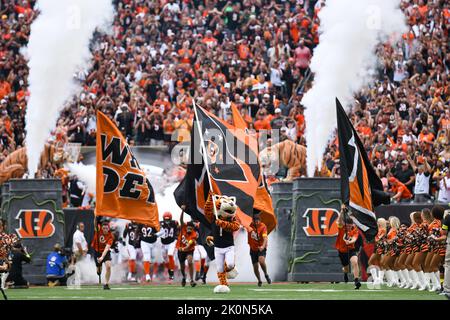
<point>291,291</point>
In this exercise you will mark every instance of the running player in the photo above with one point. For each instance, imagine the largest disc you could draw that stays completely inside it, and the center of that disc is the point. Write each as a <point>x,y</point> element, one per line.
<point>257,240</point>
<point>148,236</point>
<point>169,233</point>
<point>133,243</point>
<point>199,255</point>
<point>345,244</point>
<point>101,243</point>
<point>187,239</point>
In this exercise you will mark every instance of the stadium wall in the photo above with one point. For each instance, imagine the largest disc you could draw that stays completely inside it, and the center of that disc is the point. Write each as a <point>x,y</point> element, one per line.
<point>33,210</point>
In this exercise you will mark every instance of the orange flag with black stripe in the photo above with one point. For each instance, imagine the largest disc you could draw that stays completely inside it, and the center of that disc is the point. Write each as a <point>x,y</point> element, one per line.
<point>361,188</point>
<point>123,190</point>
<point>263,200</point>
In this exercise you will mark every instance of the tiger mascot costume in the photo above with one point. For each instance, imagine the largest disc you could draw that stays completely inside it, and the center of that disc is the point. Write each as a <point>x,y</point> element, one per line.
<point>222,228</point>
<point>15,164</point>
<point>286,153</point>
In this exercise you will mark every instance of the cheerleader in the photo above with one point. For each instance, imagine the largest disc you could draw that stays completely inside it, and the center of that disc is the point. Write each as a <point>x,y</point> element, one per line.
<point>375,258</point>
<point>420,256</point>
<point>388,261</point>
<point>411,248</point>
<point>436,249</point>
<point>399,265</point>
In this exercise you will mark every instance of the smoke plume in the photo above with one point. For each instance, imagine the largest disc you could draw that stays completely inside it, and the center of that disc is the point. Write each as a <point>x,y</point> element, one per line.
<point>57,49</point>
<point>85,173</point>
<point>344,62</point>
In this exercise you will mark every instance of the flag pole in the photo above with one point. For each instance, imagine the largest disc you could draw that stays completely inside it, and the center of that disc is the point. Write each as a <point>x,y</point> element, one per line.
<point>205,157</point>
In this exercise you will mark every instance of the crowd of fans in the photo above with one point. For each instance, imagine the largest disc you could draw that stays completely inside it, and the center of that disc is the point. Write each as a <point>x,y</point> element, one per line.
<point>254,54</point>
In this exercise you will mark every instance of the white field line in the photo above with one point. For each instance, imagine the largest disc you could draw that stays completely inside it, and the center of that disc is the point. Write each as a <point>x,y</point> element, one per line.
<point>316,290</point>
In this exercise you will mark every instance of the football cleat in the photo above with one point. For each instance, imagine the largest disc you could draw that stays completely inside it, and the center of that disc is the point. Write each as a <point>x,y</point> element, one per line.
<point>221,289</point>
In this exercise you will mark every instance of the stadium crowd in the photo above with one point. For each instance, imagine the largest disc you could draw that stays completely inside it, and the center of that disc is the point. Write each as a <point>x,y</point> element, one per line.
<point>255,54</point>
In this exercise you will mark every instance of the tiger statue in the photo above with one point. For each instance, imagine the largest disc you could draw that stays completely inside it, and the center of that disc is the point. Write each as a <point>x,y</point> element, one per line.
<point>286,153</point>
<point>222,228</point>
<point>15,164</point>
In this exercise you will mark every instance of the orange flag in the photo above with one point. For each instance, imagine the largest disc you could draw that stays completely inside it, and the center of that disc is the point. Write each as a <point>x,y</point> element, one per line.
<point>263,200</point>
<point>123,190</point>
<point>238,121</point>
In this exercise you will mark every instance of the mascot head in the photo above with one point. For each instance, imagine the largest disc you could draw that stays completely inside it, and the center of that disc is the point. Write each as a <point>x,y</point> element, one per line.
<point>225,206</point>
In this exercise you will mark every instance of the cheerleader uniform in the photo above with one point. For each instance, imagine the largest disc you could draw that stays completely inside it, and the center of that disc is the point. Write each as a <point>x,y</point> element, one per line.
<point>392,238</point>
<point>380,239</point>
<point>409,237</point>
<point>422,237</point>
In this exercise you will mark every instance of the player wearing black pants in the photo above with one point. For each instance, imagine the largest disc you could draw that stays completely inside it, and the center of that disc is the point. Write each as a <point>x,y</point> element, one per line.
<point>187,238</point>
<point>346,245</point>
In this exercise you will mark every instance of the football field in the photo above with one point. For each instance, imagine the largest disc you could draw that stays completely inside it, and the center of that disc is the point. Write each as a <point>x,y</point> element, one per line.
<point>241,291</point>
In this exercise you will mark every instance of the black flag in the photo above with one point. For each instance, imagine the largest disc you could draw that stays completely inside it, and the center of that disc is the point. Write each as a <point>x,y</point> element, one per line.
<point>233,167</point>
<point>361,188</point>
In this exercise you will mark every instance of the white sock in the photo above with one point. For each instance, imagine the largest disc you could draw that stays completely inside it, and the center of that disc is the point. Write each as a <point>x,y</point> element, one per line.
<point>427,276</point>
<point>421,277</point>
<point>395,277</point>
<point>437,276</point>
<point>399,275</point>
<point>415,277</point>
<point>406,275</point>
<point>390,276</point>
<point>381,275</point>
<point>373,272</point>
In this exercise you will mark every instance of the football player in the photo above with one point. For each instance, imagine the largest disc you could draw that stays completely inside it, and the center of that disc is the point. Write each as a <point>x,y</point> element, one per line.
<point>148,236</point>
<point>168,234</point>
<point>187,239</point>
<point>101,243</point>
<point>257,240</point>
<point>346,245</point>
<point>133,243</point>
<point>199,255</point>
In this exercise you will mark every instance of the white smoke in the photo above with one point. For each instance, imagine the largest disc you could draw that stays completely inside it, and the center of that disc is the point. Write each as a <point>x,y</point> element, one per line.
<point>57,49</point>
<point>85,173</point>
<point>344,62</point>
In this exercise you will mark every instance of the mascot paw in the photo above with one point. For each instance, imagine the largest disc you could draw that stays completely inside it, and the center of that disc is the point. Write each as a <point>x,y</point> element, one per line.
<point>221,289</point>
<point>232,274</point>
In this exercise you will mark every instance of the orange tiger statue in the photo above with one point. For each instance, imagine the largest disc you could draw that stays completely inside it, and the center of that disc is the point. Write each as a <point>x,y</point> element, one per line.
<point>15,164</point>
<point>286,153</point>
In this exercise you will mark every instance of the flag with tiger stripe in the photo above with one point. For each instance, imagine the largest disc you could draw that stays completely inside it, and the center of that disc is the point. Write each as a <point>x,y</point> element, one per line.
<point>361,188</point>
<point>232,162</point>
<point>263,200</point>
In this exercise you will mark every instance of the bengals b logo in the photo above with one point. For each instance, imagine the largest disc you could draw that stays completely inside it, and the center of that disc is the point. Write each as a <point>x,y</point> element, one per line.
<point>35,224</point>
<point>321,222</point>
